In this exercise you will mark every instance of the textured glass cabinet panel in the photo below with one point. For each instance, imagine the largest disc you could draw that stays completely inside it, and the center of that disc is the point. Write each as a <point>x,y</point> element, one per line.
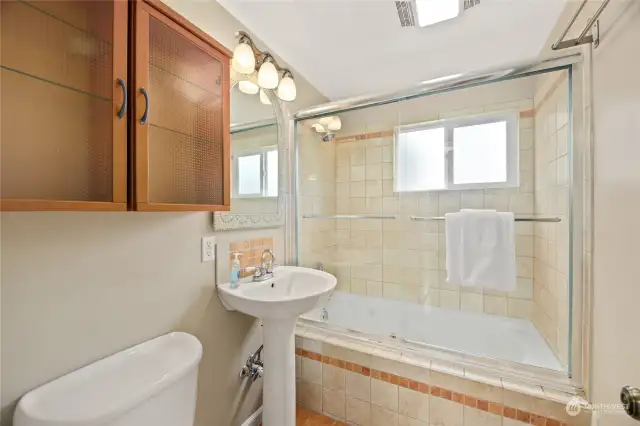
<point>185,120</point>
<point>57,115</point>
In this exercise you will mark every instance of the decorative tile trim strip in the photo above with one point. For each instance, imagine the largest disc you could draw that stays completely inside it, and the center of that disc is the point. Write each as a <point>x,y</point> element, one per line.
<point>480,404</point>
<point>528,113</point>
<point>365,136</point>
<point>373,135</point>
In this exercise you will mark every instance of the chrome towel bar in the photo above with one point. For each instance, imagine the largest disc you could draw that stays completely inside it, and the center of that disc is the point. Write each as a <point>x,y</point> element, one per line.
<point>347,216</point>
<point>517,219</point>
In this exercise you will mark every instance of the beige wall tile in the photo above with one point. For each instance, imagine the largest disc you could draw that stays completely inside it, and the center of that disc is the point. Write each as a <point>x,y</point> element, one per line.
<point>334,402</point>
<point>357,173</point>
<point>358,386</point>
<point>511,422</point>
<point>358,155</point>
<point>471,302</point>
<point>310,395</point>
<point>450,299</point>
<point>474,417</point>
<point>384,395</point>
<point>374,289</point>
<point>519,308</point>
<point>374,172</point>
<point>311,371</point>
<point>446,413</point>
<point>358,412</point>
<point>333,377</point>
<point>383,417</point>
<point>494,305</point>
<point>374,154</point>
<point>408,421</point>
<point>413,404</point>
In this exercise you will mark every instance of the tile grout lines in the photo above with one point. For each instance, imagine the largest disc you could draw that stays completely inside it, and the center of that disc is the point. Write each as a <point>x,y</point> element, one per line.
<point>469,401</point>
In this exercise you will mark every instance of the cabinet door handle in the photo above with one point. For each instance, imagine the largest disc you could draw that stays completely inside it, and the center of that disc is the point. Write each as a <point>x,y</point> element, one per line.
<point>123,108</point>
<point>143,120</point>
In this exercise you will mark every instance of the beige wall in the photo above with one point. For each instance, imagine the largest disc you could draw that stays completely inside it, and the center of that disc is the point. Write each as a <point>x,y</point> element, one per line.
<point>551,253</point>
<point>616,127</point>
<point>77,287</point>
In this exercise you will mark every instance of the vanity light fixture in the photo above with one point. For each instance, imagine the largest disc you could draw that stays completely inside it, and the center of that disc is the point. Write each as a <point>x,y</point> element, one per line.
<point>263,98</point>
<point>244,61</point>
<point>269,75</point>
<point>287,87</point>
<point>248,87</point>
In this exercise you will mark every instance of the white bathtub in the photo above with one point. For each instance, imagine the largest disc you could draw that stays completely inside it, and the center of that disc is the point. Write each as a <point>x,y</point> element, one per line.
<point>483,335</point>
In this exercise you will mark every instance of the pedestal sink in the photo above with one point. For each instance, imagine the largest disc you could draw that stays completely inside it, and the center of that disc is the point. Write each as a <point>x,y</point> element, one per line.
<point>278,302</point>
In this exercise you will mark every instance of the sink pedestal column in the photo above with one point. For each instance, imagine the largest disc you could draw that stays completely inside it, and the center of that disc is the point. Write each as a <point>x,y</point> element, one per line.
<point>279,376</point>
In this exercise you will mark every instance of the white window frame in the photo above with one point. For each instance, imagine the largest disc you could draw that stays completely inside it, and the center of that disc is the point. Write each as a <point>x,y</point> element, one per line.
<point>513,144</point>
<point>262,152</point>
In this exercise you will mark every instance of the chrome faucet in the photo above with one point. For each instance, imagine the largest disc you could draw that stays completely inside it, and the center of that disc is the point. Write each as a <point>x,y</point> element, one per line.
<point>264,271</point>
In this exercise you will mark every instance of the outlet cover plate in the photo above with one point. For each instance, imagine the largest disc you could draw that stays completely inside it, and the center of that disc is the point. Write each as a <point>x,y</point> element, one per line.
<point>208,249</point>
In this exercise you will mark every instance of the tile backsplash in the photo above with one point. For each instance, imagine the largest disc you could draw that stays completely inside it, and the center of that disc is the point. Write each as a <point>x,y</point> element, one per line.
<point>250,253</point>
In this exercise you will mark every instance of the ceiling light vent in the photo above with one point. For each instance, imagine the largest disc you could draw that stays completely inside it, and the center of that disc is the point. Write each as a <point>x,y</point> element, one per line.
<point>405,13</point>
<point>423,13</point>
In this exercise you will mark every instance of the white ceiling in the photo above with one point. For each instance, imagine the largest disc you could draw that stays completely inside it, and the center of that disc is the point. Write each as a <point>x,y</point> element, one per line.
<point>353,47</point>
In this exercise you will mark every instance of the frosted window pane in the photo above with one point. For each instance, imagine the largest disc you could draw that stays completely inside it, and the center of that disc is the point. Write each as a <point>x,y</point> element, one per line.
<point>480,153</point>
<point>249,175</point>
<point>272,173</point>
<point>421,160</point>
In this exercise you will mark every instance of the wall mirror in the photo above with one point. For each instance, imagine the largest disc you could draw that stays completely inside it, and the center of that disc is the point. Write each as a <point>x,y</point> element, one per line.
<point>257,159</point>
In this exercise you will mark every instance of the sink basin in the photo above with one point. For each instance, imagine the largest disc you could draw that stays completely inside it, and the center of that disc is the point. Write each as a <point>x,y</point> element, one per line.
<point>291,292</point>
<point>279,301</point>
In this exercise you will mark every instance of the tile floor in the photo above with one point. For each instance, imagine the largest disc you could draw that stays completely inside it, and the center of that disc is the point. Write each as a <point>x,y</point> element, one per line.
<point>305,417</point>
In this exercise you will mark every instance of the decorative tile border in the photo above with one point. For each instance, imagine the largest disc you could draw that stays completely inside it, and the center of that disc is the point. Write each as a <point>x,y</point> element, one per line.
<point>365,136</point>
<point>480,404</point>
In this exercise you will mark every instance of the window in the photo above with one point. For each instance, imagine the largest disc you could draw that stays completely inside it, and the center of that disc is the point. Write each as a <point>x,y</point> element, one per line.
<point>461,153</point>
<point>256,173</point>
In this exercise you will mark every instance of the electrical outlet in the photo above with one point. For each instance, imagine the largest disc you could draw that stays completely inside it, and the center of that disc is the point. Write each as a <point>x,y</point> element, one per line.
<point>208,248</point>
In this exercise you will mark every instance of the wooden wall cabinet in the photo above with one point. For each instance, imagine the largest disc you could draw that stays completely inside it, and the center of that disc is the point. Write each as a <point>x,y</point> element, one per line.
<point>111,105</point>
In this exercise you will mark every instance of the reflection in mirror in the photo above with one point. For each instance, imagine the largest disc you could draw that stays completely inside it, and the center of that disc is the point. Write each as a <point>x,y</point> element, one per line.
<point>254,155</point>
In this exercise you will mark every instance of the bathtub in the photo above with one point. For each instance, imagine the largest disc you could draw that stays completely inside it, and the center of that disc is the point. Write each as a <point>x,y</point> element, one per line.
<point>488,336</point>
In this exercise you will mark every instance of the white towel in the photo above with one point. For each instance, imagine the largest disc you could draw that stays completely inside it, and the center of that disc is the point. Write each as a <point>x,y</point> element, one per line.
<point>481,249</point>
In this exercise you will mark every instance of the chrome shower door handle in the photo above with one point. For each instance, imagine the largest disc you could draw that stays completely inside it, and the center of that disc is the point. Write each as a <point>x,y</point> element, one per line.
<point>630,398</point>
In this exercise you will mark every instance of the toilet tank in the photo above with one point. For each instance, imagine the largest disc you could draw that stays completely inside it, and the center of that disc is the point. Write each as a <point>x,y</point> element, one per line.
<point>154,384</point>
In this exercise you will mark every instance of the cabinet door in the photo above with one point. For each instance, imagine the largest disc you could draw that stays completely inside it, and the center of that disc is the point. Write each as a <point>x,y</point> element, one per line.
<point>182,150</point>
<point>63,70</point>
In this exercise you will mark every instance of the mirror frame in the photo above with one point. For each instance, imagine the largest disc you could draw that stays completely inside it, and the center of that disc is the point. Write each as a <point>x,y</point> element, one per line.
<point>228,221</point>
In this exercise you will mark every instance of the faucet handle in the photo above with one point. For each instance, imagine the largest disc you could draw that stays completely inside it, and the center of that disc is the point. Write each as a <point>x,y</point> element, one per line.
<point>268,266</point>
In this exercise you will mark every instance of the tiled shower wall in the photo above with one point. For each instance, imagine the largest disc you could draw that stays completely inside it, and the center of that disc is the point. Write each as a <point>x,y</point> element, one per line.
<point>317,186</point>
<point>551,254</point>
<point>405,260</point>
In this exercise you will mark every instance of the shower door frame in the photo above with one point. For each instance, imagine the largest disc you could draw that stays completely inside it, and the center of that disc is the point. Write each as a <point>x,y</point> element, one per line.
<point>578,143</point>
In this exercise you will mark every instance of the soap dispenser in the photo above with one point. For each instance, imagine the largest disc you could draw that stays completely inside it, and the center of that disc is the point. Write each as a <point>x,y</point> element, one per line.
<point>235,271</point>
